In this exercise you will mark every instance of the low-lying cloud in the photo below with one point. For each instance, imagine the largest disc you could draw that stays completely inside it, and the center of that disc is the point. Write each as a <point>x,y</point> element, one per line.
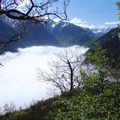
<point>101,28</point>
<point>18,76</point>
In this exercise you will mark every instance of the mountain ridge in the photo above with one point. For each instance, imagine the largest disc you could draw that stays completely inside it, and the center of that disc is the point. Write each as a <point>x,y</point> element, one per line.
<point>54,33</point>
<point>62,31</point>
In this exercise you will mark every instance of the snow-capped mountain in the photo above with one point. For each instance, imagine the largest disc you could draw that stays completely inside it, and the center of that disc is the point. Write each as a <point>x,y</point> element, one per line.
<point>61,33</point>
<point>101,31</point>
<point>55,33</point>
<point>69,34</point>
<point>98,30</point>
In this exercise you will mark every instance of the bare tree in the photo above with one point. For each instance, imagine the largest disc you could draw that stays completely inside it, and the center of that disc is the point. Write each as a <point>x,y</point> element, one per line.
<point>29,9</point>
<point>9,108</point>
<point>65,72</point>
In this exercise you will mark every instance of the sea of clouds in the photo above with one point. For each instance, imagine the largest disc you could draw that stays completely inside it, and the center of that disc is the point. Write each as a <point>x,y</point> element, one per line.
<point>19,82</point>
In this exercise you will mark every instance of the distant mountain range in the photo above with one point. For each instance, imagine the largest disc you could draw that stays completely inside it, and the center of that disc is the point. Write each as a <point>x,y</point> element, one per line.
<point>60,33</point>
<point>100,31</point>
<point>70,34</point>
<point>35,35</point>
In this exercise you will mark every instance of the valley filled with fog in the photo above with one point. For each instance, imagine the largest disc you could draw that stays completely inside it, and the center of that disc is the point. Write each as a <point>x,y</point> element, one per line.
<point>59,60</point>
<point>19,82</point>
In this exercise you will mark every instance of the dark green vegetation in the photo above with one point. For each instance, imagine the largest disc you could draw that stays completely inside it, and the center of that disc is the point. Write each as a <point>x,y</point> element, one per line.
<point>80,104</point>
<point>87,104</point>
<point>38,111</point>
<point>110,43</point>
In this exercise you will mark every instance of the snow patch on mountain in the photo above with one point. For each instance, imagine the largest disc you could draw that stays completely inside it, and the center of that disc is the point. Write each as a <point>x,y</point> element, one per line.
<point>106,27</point>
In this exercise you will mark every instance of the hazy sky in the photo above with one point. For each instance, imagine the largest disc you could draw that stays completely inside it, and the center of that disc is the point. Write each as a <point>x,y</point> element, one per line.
<point>95,12</point>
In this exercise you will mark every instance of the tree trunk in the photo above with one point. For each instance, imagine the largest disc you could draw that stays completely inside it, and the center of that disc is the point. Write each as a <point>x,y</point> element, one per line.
<point>71,75</point>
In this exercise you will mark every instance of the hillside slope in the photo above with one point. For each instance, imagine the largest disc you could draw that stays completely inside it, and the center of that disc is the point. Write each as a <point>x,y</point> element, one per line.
<point>35,35</point>
<point>111,44</point>
<point>70,34</point>
<point>6,31</point>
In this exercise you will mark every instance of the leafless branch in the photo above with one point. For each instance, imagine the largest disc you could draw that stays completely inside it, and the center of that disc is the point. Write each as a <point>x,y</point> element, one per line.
<point>35,11</point>
<point>64,73</point>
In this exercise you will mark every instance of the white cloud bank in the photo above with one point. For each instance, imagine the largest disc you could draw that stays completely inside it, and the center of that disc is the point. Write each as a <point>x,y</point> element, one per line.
<point>81,23</point>
<point>19,79</point>
<point>111,23</point>
<point>101,28</point>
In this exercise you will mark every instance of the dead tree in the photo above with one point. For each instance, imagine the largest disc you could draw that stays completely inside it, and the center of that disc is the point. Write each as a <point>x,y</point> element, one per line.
<point>65,72</point>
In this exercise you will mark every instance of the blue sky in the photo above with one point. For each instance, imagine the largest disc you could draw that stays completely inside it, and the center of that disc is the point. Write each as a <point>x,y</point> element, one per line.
<point>95,12</point>
<point>91,13</point>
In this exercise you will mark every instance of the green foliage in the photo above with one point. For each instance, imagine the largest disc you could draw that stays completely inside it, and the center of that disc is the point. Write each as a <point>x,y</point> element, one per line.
<point>38,111</point>
<point>98,99</point>
<point>118,4</point>
<point>89,80</point>
<point>97,56</point>
<point>98,59</point>
<point>17,115</point>
<point>90,43</point>
<point>85,106</point>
